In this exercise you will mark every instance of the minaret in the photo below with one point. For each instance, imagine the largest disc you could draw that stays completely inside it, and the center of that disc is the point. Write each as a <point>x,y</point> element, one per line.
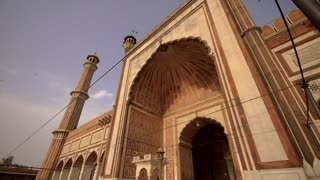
<point>128,43</point>
<point>70,119</point>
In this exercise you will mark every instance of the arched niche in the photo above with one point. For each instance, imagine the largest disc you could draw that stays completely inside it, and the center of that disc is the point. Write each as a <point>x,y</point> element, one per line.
<point>90,166</point>
<point>143,174</point>
<point>66,170</point>
<point>99,166</point>
<point>77,166</point>
<point>58,170</point>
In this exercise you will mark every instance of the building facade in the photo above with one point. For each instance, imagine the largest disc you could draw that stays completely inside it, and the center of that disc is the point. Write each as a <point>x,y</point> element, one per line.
<point>17,173</point>
<point>221,96</point>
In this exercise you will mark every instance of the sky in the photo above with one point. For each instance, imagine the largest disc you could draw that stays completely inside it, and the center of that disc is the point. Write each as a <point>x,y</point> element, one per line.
<point>43,45</point>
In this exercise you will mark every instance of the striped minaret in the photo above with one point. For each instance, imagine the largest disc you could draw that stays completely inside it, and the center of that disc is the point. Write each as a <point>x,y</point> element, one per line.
<point>70,119</point>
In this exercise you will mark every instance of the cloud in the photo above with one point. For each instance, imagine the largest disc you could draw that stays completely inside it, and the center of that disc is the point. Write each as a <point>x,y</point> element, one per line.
<point>20,118</point>
<point>101,94</point>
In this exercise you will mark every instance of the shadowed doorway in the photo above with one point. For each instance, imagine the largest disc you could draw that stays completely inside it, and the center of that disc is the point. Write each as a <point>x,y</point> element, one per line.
<point>209,150</point>
<point>204,151</point>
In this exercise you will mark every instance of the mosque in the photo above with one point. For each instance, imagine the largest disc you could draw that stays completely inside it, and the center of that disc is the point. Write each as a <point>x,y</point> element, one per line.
<point>206,95</point>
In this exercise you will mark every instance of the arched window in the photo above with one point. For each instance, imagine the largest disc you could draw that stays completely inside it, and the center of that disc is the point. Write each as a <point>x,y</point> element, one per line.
<point>66,170</point>
<point>57,171</point>
<point>77,168</point>
<point>90,166</point>
<point>143,174</point>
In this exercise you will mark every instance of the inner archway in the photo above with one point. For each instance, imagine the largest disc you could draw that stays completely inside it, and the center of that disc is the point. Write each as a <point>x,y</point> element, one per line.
<point>209,148</point>
<point>204,151</point>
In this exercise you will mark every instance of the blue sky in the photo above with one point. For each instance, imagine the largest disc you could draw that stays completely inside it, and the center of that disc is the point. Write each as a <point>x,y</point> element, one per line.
<point>43,45</point>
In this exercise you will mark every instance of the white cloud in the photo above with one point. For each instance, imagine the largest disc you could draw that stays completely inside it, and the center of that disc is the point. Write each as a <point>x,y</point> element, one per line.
<point>101,94</point>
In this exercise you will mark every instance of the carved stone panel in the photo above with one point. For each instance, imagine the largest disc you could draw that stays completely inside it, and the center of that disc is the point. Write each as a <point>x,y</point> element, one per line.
<point>143,138</point>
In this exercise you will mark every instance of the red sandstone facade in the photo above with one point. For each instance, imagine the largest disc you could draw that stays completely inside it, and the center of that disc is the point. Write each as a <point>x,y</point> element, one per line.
<point>220,95</point>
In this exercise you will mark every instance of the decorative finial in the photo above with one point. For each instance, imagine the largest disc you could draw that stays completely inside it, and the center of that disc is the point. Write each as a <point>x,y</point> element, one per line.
<point>134,32</point>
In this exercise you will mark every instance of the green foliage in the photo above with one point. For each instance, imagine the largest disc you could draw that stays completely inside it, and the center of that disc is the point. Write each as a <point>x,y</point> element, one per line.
<point>7,160</point>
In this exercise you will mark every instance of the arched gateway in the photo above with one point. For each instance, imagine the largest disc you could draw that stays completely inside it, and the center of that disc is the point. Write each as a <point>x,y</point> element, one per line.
<point>178,82</point>
<point>219,98</point>
<point>204,151</point>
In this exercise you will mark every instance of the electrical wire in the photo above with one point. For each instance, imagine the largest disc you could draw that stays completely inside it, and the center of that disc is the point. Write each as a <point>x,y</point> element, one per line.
<point>60,111</point>
<point>55,115</point>
<point>162,129</point>
<point>304,83</point>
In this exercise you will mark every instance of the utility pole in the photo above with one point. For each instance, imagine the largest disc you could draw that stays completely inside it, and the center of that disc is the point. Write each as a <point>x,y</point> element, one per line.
<point>311,8</point>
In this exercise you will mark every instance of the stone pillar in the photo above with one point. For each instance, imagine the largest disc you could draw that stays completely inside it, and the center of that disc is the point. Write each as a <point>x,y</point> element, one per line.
<point>70,173</point>
<point>283,108</point>
<point>65,174</point>
<point>230,166</point>
<point>70,119</point>
<point>75,173</point>
<point>81,171</point>
<point>98,171</point>
<point>56,175</point>
<point>88,172</point>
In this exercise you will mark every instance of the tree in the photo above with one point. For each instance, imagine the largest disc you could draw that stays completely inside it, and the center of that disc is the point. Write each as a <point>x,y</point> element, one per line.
<point>7,160</point>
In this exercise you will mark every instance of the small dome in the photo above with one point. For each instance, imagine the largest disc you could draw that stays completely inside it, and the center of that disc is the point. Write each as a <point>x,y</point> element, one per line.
<point>93,58</point>
<point>129,42</point>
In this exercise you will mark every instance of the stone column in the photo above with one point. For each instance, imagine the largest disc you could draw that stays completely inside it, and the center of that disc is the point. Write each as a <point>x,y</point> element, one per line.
<point>71,171</point>
<point>70,119</point>
<point>87,172</point>
<point>56,175</point>
<point>283,108</point>
<point>65,174</point>
<point>81,171</point>
<point>75,173</point>
<point>98,171</point>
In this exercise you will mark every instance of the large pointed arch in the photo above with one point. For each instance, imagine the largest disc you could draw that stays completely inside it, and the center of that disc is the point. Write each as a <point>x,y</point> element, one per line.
<point>180,72</point>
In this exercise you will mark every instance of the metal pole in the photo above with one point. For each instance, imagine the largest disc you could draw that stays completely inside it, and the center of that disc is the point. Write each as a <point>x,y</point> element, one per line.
<point>311,8</point>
